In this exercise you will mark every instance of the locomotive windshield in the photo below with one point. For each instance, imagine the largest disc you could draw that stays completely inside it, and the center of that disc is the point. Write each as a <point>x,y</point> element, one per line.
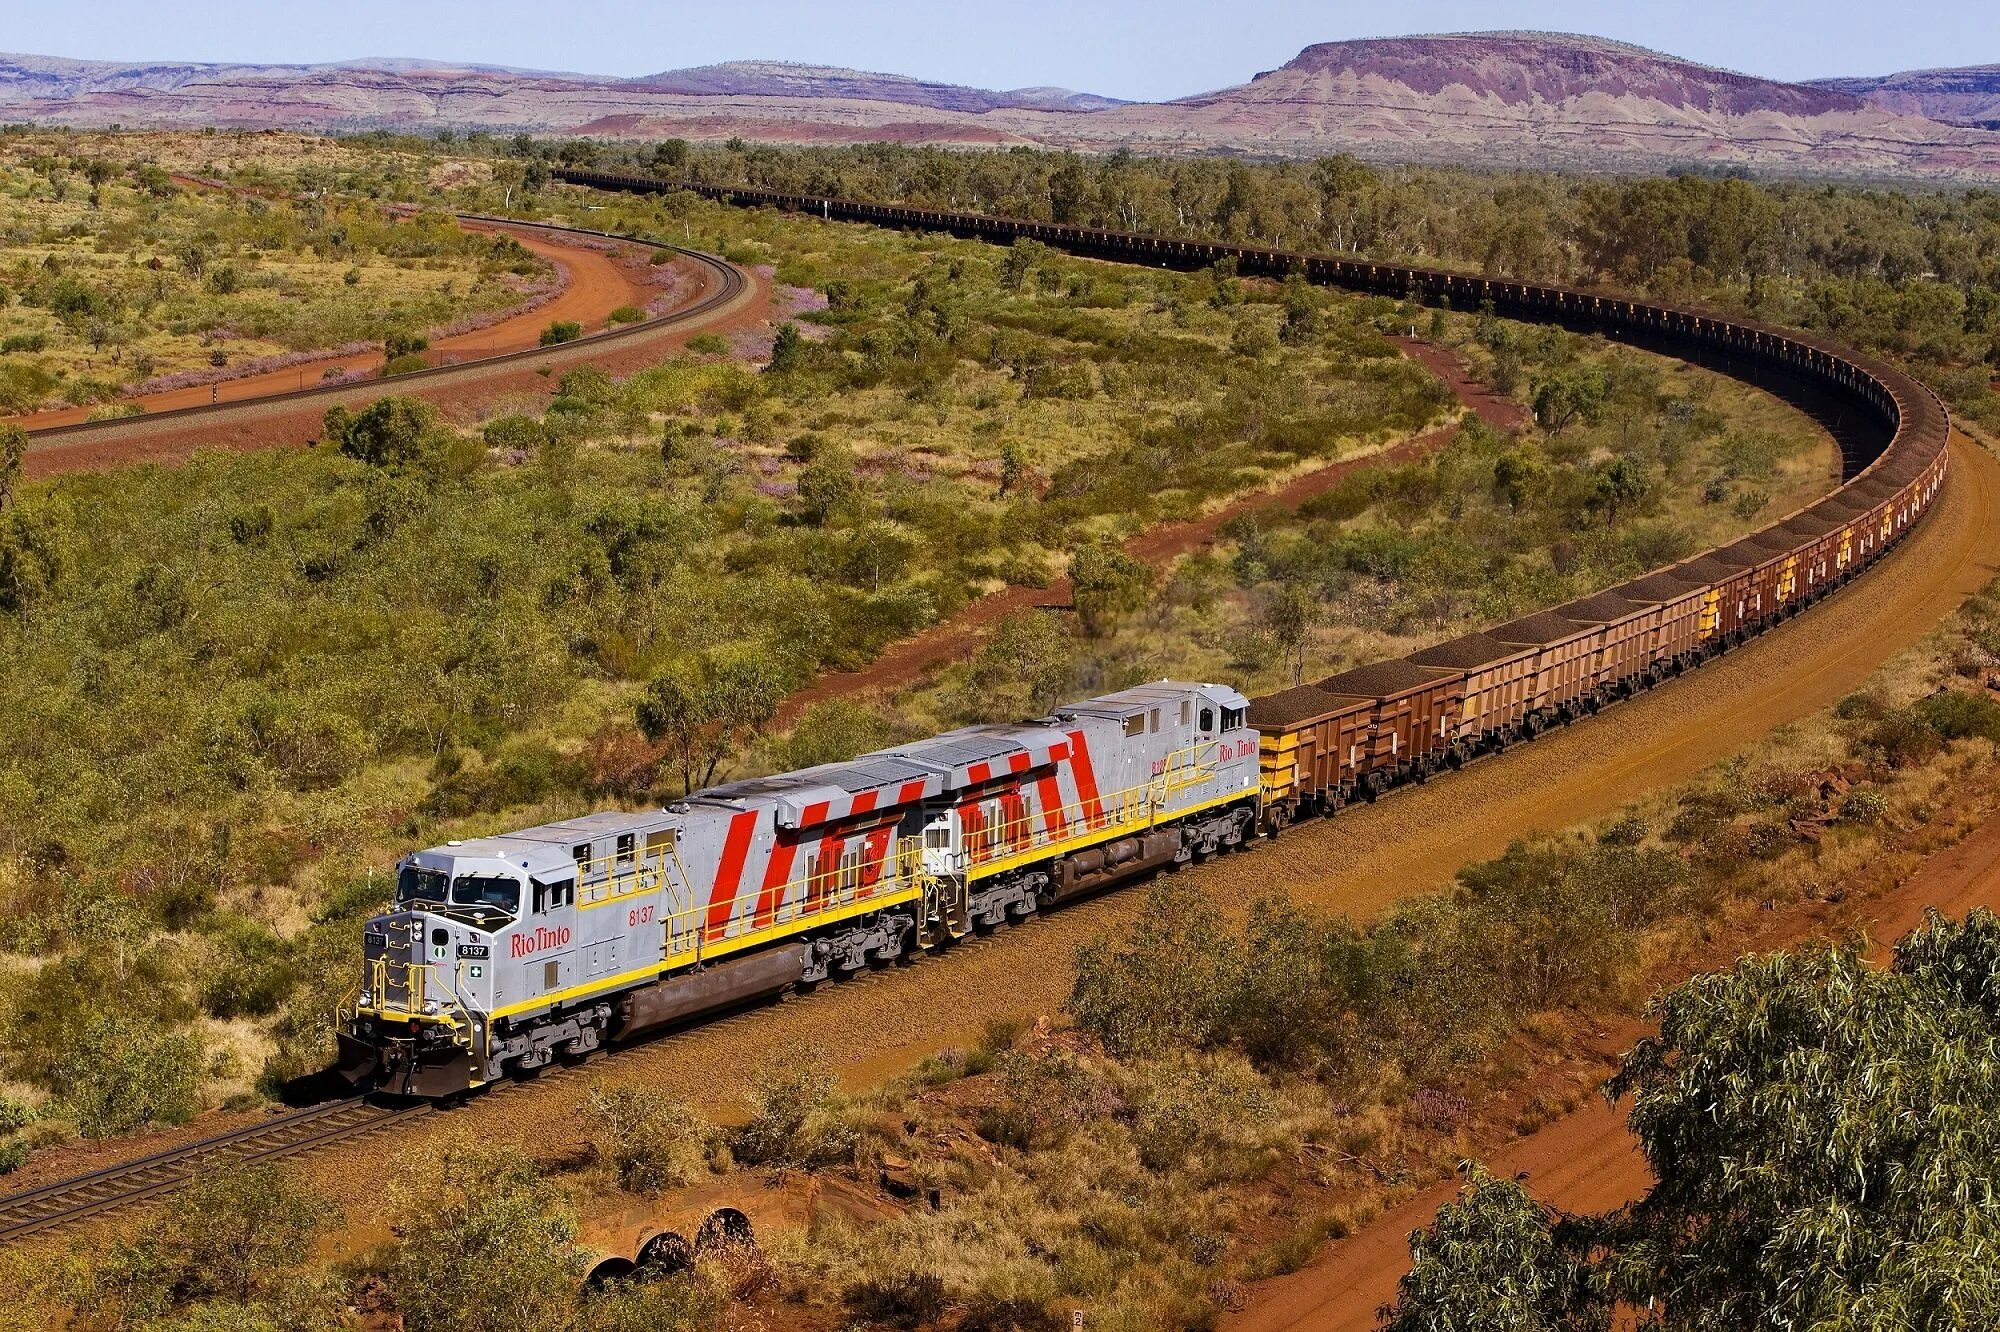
<point>486,890</point>
<point>420,885</point>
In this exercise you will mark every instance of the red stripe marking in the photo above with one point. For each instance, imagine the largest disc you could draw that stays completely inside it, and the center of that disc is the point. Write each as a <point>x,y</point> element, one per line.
<point>815,813</point>
<point>1086,777</point>
<point>777,874</point>
<point>1048,792</point>
<point>830,847</point>
<point>971,822</point>
<point>873,859</point>
<point>729,871</point>
<point>978,773</point>
<point>1019,763</point>
<point>1014,815</point>
<point>911,793</point>
<point>864,802</point>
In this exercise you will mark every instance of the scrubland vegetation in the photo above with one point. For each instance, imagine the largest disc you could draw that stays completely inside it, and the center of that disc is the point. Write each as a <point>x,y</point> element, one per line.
<point>248,683</point>
<point>1912,272</point>
<point>117,277</point>
<point>240,686</point>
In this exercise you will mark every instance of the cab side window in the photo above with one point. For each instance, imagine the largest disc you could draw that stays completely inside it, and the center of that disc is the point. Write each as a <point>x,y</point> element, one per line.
<point>1136,725</point>
<point>1232,718</point>
<point>554,896</point>
<point>1208,721</point>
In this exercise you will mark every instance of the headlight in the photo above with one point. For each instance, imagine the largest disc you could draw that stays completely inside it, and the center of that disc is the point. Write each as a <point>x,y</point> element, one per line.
<point>366,999</point>
<point>433,1007</point>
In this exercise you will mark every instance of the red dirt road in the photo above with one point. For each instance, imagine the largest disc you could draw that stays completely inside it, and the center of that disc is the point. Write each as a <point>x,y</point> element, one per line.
<point>1502,413</point>
<point>594,283</point>
<point>1587,1161</point>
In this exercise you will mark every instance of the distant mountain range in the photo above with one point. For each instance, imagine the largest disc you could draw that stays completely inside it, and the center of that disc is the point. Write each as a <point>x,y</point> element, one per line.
<point>1498,98</point>
<point>1969,96</point>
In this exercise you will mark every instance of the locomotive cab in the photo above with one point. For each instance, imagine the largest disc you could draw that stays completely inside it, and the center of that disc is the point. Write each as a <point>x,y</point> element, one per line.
<point>419,1020</point>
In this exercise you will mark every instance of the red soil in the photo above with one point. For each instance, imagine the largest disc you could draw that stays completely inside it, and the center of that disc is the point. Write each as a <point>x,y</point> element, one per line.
<point>1502,413</point>
<point>1587,1161</point>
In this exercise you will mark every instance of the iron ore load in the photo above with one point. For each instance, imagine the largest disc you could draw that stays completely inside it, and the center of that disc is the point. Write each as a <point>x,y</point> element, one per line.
<point>508,952</point>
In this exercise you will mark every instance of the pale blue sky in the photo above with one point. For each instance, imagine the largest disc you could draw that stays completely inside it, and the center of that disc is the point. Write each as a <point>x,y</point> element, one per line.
<point>1126,48</point>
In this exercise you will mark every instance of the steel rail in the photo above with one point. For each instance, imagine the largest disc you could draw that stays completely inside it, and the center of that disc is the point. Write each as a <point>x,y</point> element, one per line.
<point>69,1200</point>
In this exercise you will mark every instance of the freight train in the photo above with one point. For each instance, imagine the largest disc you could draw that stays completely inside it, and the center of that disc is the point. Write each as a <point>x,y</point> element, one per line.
<point>506,953</point>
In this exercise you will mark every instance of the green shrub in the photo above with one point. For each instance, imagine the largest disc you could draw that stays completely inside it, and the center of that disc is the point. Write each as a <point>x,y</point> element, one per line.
<point>482,1242</point>
<point>229,1250</point>
<point>122,1071</point>
<point>1904,738</point>
<point>404,365</point>
<point>250,973</point>
<point>16,344</point>
<point>401,343</point>
<point>625,314</point>
<point>1957,715</point>
<point>1042,1097</point>
<point>523,433</point>
<point>708,344</point>
<point>560,331</point>
<point>795,1118</point>
<point>653,1141</point>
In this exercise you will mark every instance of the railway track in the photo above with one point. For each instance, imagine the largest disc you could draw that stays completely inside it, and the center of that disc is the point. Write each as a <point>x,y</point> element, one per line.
<point>82,1197</point>
<point>70,1200</point>
<point>727,283</point>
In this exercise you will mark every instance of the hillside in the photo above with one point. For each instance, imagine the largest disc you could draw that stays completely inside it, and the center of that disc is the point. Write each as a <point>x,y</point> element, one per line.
<point>1502,98</point>
<point>1968,96</point>
<point>1554,99</point>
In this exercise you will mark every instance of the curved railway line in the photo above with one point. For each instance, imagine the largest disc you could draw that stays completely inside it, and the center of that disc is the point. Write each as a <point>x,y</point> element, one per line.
<point>725,283</point>
<point>1914,448</point>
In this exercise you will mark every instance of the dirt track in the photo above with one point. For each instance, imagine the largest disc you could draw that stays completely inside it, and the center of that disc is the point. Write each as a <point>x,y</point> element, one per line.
<point>595,281</point>
<point>1360,863</point>
<point>601,281</point>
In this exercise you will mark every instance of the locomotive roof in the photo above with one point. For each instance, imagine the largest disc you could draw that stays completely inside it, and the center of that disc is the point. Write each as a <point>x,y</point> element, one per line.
<point>1465,652</point>
<point>1125,702</point>
<point>1541,627</point>
<point>1379,679</point>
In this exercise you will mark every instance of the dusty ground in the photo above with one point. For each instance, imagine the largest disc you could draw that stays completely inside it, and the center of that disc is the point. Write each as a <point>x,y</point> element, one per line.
<point>594,283</point>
